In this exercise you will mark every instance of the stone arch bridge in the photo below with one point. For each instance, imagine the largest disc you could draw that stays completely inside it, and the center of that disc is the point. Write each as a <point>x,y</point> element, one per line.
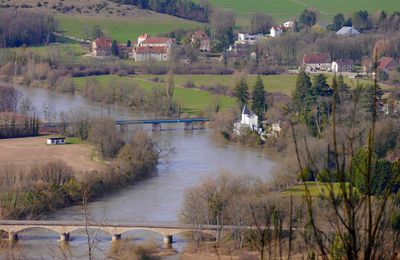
<point>64,228</point>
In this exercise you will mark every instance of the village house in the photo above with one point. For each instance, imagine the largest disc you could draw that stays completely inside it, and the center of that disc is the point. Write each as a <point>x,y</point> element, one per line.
<point>288,24</point>
<point>246,38</point>
<point>348,31</point>
<point>342,65</point>
<point>144,53</point>
<point>201,39</point>
<point>317,62</point>
<point>276,31</point>
<point>248,121</point>
<point>388,64</point>
<point>152,48</point>
<point>101,47</point>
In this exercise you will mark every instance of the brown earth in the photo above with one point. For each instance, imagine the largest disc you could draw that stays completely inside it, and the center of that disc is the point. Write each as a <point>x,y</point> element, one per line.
<point>27,152</point>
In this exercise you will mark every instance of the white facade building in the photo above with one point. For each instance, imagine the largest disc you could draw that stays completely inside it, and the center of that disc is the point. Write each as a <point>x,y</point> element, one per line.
<point>276,31</point>
<point>248,121</point>
<point>246,38</point>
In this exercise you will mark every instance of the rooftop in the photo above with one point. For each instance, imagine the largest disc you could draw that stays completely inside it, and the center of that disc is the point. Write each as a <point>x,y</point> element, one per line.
<point>345,30</point>
<point>316,58</point>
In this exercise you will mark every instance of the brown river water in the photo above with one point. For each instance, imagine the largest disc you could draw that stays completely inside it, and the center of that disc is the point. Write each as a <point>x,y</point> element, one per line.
<point>156,200</point>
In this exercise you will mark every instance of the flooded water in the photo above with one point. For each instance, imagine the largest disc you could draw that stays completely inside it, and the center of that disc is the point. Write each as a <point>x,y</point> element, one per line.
<point>156,200</point>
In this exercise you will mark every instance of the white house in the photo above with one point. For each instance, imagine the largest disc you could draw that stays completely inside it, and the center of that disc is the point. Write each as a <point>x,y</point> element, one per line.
<point>246,38</point>
<point>276,31</point>
<point>288,24</point>
<point>55,140</point>
<point>249,120</point>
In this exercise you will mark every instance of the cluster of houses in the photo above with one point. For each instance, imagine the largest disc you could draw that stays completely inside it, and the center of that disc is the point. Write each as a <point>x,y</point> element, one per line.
<point>147,47</point>
<point>322,62</point>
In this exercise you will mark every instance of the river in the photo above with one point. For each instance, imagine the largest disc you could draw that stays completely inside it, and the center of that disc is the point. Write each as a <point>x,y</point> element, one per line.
<point>155,200</point>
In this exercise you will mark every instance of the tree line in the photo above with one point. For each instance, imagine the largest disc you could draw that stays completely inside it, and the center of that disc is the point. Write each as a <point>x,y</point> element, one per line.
<point>12,122</point>
<point>20,27</point>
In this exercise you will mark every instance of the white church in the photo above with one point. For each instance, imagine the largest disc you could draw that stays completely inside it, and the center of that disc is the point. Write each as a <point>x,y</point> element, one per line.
<point>248,121</point>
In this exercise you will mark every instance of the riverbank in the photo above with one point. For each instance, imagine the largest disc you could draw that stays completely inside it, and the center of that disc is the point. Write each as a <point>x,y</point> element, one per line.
<point>37,178</point>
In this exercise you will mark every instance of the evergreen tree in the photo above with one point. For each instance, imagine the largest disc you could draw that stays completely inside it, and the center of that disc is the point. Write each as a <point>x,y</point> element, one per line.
<point>321,87</point>
<point>259,104</point>
<point>128,43</point>
<point>114,48</point>
<point>344,90</point>
<point>338,21</point>
<point>242,92</point>
<point>303,96</point>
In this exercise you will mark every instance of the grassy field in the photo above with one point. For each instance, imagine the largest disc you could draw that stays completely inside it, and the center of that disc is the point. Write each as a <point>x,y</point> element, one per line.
<point>191,100</point>
<point>123,28</point>
<point>27,152</point>
<point>316,189</point>
<point>287,9</point>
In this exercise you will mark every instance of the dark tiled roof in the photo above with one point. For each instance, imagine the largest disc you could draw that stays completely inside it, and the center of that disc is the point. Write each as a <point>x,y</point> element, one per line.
<point>344,62</point>
<point>388,63</point>
<point>316,58</point>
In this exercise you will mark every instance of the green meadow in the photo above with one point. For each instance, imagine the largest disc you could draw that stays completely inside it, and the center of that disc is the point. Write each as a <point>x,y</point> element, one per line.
<point>316,188</point>
<point>192,101</point>
<point>123,28</point>
<point>283,10</point>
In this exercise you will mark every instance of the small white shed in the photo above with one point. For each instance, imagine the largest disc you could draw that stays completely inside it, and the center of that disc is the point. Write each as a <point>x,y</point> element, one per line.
<point>55,140</point>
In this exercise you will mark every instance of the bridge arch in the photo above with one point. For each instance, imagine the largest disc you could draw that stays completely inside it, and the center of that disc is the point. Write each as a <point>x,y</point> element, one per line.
<point>25,228</point>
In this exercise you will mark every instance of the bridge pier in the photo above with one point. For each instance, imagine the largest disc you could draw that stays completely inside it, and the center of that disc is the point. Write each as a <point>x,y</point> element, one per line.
<point>13,236</point>
<point>156,127</point>
<point>188,126</point>
<point>116,237</point>
<point>168,239</point>
<point>64,237</point>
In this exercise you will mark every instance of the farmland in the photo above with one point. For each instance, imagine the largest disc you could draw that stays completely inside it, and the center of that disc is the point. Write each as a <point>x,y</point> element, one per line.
<point>123,28</point>
<point>28,152</point>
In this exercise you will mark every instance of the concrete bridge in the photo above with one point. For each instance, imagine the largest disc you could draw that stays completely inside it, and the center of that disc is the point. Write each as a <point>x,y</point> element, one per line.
<point>156,123</point>
<point>64,228</point>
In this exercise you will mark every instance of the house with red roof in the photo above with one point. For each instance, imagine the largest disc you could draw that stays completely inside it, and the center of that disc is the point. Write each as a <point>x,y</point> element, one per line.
<point>201,39</point>
<point>101,47</point>
<point>388,64</point>
<point>317,62</point>
<point>152,48</point>
<point>276,30</point>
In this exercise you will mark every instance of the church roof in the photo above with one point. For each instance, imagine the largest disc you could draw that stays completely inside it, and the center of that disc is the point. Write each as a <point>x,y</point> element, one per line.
<point>246,111</point>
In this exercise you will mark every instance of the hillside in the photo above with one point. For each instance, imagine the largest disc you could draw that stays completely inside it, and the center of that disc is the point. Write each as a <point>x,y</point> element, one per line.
<point>121,22</point>
<point>287,9</point>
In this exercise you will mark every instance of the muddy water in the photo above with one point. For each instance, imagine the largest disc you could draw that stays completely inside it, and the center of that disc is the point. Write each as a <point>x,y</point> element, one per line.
<point>155,200</point>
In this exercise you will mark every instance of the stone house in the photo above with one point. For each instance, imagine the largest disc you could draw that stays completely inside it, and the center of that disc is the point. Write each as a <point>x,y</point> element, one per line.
<point>317,62</point>
<point>342,65</point>
<point>152,48</point>
<point>101,47</point>
<point>248,121</point>
<point>201,38</point>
